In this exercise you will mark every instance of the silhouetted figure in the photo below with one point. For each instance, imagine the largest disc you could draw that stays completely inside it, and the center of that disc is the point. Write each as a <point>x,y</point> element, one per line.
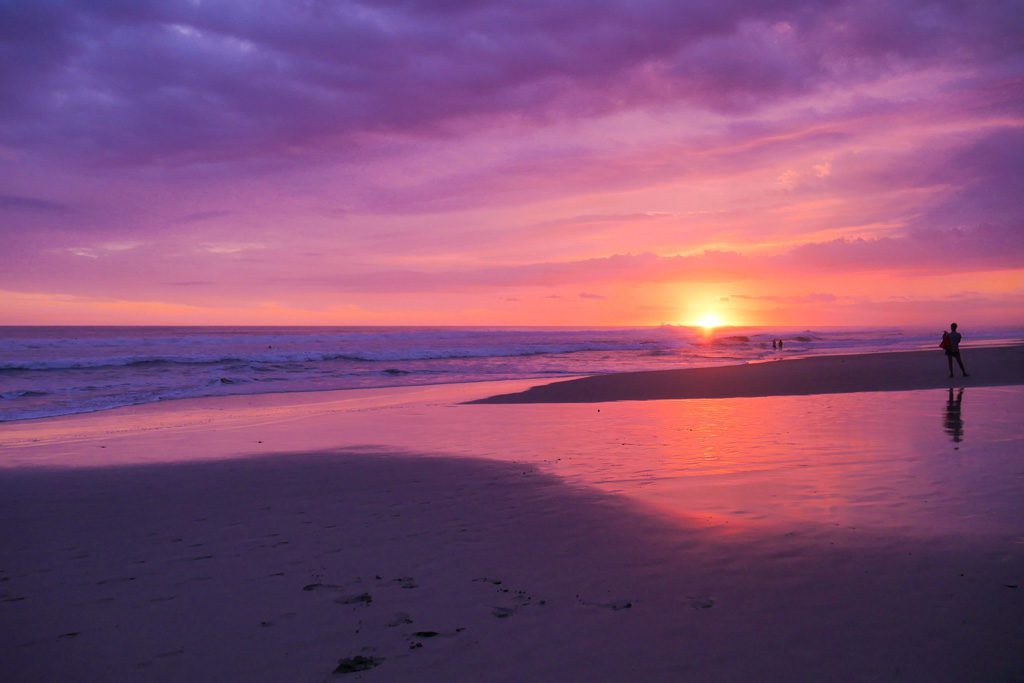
<point>780,343</point>
<point>775,344</point>
<point>954,424</point>
<point>951,343</point>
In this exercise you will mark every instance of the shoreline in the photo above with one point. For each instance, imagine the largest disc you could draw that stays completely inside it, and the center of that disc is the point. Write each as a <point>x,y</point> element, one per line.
<point>44,412</point>
<point>383,390</point>
<point>988,366</point>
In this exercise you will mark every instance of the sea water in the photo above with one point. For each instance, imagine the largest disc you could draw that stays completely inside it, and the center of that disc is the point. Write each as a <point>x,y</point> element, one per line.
<point>46,371</point>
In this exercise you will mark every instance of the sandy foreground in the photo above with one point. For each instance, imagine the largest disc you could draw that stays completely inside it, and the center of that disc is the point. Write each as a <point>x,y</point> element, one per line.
<point>869,536</point>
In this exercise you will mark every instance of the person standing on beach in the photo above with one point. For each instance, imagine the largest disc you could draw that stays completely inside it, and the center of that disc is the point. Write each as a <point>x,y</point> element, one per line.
<point>953,350</point>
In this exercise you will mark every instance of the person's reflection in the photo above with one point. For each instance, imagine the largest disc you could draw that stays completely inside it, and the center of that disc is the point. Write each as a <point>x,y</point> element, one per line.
<point>954,424</point>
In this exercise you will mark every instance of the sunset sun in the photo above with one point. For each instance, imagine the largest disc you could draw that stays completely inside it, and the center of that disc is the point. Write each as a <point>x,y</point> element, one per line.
<point>709,321</point>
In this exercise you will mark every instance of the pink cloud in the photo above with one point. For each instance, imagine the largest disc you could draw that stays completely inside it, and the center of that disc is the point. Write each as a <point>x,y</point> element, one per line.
<point>197,153</point>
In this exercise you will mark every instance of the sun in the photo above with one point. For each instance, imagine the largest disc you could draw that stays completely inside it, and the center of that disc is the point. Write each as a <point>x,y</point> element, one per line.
<point>710,321</point>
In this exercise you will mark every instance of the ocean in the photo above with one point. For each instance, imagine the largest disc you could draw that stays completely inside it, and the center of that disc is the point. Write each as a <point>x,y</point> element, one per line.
<point>47,371</point>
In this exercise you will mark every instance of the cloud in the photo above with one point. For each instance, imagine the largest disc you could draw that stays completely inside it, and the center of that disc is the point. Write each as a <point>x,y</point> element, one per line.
<point>231,247</point>
<point>101,249</point>
<point>954,250</point>
<point>813,298</point>
<point>186,82</point>
<point>151,270</point>
<point>18,203</point>
<point>373,151</point>
<point>201,216</point>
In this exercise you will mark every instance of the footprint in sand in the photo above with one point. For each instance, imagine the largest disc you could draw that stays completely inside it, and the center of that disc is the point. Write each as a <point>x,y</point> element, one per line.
<point>399,619</point>
<point>435,634</point>
<point>351,665</point>
<point>614,605</point>
<point>193,579</point>
<point>121,579</point>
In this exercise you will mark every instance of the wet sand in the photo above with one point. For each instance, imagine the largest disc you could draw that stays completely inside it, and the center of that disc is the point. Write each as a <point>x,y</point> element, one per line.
<point>897,371</point>
<point>406,535</point>
<point>426,568</point>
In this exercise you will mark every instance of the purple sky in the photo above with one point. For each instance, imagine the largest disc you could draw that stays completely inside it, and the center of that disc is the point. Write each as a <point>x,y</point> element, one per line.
<point>561,162</point>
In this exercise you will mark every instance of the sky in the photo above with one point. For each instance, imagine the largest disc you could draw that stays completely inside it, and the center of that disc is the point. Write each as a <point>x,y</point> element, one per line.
<point>465,162</point>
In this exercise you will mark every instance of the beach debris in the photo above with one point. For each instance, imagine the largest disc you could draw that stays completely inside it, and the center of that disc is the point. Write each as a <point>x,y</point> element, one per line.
<point>361,598</point>
<point>351,665</point>
<point>69,634</point>
<point>426,634</point>
<point>502,612</point>
<point>496,582</point>
<point>406,582</point>
<point>702,603</point>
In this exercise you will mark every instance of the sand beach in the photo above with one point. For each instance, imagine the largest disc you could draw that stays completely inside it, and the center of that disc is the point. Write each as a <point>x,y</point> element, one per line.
<point>850,518</point>
<point>895,371</point>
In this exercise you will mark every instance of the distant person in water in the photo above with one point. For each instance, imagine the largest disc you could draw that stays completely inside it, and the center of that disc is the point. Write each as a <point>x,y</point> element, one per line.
<point>951,344</point>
